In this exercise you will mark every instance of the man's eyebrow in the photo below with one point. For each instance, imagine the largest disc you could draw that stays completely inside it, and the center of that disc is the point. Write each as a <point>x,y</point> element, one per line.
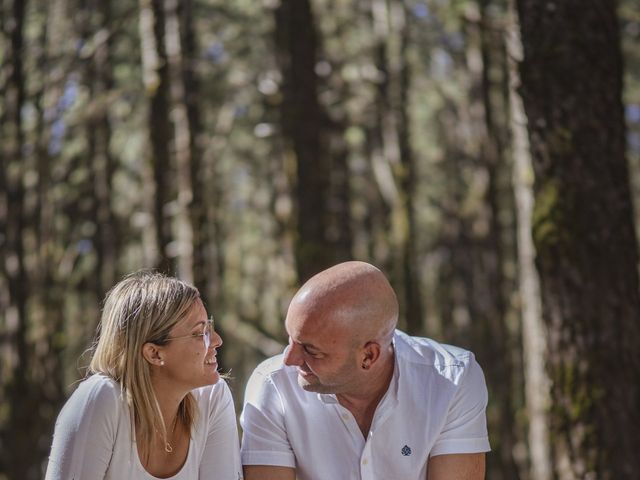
<point>310,346</point>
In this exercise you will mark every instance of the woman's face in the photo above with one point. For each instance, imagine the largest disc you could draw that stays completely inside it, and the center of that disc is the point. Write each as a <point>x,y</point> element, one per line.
<point>188,361</point>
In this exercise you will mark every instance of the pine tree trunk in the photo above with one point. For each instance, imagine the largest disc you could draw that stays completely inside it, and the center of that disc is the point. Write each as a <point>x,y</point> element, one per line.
<point>156,80</point>
<point>99,79</point>
<point>392,156</point>
<point>303,126</point>
<point>203,213</point>
<point>534,333</point>
<point>583,232</point>
<point>16,352</point>
<point>183,231</point>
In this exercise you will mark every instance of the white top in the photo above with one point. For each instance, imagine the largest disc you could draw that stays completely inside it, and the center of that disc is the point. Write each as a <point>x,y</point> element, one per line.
<point>435,405</point>
<point>93,436</point>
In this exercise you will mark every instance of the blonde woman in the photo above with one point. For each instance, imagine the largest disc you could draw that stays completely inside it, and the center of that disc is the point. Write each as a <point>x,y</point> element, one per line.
<point>154,406</point>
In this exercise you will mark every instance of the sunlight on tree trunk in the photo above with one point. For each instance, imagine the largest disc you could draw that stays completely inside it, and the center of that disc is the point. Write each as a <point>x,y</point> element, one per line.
<point>533,332</point>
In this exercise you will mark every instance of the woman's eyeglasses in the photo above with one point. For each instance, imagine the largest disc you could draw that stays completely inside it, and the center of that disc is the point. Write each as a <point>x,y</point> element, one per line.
<point>206,334</point>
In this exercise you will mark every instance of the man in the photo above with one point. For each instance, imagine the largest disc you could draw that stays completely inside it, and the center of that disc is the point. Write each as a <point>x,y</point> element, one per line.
<point>353,398</point>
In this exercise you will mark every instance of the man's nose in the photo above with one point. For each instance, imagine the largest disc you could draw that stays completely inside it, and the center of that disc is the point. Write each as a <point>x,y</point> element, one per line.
<point>293,355</point>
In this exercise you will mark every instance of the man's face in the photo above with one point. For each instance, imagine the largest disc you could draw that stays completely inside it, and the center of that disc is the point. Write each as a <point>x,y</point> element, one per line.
<point>322,350</point>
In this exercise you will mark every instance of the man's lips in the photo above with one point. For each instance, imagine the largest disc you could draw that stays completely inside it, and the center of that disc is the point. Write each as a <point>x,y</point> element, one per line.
<point>305,373</point>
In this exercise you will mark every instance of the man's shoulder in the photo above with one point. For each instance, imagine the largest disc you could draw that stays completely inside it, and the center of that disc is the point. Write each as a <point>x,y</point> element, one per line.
<point>271,372</point>
<point>419,352</point>
<point>270,379</point>
<point>271,367</point>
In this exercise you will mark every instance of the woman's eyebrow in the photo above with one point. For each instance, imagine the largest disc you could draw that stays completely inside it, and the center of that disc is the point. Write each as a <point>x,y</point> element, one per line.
<point>197,324</point>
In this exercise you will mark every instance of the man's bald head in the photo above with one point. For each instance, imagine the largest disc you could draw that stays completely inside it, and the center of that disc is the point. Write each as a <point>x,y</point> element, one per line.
<point>354,296</point>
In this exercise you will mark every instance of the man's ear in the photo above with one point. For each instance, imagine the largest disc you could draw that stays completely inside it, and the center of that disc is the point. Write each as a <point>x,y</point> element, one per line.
<point>371,354</point>
<point>152,354</point>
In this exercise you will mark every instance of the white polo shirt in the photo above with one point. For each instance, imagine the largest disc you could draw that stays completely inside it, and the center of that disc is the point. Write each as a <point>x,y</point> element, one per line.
<point>435,405</point>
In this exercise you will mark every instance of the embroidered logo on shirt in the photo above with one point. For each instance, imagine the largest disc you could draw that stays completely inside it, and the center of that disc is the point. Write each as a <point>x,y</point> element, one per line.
<point>406,451</point>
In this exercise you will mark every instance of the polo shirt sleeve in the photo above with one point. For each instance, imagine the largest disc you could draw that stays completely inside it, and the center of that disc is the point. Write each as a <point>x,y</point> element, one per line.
<point>465,429</point>
<point>264,440</point>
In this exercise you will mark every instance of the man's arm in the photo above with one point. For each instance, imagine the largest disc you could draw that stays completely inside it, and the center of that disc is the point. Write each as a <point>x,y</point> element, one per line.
<point>266,472</point>
<point>461,466</point>
<point>266,452</point>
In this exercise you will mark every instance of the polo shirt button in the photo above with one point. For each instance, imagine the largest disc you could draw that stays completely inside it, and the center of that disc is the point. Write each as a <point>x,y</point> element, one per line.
<point>345,416</point>
<point>365,461</point>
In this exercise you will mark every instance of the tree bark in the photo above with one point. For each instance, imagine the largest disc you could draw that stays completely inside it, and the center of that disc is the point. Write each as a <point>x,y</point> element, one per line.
<point>156,80</point>
<point>496,340</point>
<point>16,352</point>
<point>183,231</point>
<point>534,333</point>
<point>99,79</point>
<point>392,155</point>
<point>206,270</point>
<point>303,128</point>
<point>583,232</point>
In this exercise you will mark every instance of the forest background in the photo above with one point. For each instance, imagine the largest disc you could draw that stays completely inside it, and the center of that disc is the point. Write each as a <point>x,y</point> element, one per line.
<point>485,155</point>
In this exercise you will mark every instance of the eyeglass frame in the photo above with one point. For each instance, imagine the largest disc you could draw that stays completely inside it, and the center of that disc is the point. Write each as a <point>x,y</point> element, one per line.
<point>206,335</point>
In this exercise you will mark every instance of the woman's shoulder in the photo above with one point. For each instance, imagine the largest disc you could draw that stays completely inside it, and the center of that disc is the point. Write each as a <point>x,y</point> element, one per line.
<point>99,385</point>
<point>95,406</point>
<point>213,399</point>
<point>215,392</point>
<point>96,392</point>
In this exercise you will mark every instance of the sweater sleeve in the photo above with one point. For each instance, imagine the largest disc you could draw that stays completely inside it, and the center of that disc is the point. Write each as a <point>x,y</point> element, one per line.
<point>85,432</point>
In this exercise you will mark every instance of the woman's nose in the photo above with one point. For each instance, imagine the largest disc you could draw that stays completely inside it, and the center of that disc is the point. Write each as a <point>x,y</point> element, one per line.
<point>216,339</point>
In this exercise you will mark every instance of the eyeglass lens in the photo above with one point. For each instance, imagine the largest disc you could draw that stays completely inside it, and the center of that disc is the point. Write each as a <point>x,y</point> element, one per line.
<point>207,334</point>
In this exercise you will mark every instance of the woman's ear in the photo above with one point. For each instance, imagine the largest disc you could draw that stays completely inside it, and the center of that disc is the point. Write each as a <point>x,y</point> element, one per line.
<point>152,354</point>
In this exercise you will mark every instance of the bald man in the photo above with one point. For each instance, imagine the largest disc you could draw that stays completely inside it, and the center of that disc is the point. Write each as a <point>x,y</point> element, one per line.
<point>351,397</point>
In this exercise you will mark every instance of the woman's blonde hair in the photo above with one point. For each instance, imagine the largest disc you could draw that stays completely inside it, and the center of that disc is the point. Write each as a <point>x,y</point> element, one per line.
<point>142,308</point>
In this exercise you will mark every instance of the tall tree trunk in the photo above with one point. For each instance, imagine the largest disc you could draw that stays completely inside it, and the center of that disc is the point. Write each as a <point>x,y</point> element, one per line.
<point>99,79</point>
<point>16,352</point>
<point>206,271</point>
<point>533,331</point>
<point>156,80</point>
<point>414,306</point>
<point>302,122</point>
<point>339,234</point>
<point>493,284</point>
<point>182,143</point>
<point>583,232</point>
<point>48,288</point>
<point>392,155</point>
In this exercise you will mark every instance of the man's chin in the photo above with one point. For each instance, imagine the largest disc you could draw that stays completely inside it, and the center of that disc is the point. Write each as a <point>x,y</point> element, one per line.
<point>306,383</point>
<point>313,385</point>
<point>310,383</point>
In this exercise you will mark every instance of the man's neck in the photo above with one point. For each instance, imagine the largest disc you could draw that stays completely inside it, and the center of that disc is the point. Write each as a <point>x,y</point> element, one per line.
<point>363,402</point>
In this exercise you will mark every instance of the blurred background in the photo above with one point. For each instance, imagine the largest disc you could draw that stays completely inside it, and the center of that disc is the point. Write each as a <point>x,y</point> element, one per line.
<point>244,146</point>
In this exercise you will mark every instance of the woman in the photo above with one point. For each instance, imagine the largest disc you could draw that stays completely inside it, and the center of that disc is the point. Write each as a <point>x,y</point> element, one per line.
<point>155,406</point>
